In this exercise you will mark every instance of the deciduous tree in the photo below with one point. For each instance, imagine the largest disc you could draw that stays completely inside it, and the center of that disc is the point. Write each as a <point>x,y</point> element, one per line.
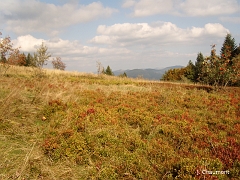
<point>100,69</point>
<point>41,56</point>
<point>7,51</point>
<point>173,75</point>
<point>58,64</point>
<point>16,58</point>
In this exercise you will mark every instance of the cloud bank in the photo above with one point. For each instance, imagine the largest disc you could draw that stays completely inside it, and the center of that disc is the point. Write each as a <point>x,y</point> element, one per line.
<point>127,41</point>
<point>161,33</point>
<point>64,48</point>
<point>129,44</point>
<point>25,16</point>
<point>182,7</point>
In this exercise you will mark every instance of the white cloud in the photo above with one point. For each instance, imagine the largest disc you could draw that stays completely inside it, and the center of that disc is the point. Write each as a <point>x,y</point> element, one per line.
<point>182,7</point>
<point>128,3</point>
<point>24,16</point>
<point>235,20</point>
<point>148,7</point>
<point>27,43</point>
<point>133,45</point>
<point>104,39</point>
<point>209,7</point>
<point>161,33</point>
<point>64,48</point>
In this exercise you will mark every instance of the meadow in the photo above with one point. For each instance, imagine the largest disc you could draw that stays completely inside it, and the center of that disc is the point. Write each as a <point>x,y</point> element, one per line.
<point>69,125</point>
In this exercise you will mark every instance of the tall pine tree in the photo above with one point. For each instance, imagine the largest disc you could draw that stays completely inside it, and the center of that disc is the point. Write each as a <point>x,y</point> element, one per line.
<point>109,71</point>
<point>190,71</point>
<point>28,60</point>
<point>229,45</point>
<point>198,66</point>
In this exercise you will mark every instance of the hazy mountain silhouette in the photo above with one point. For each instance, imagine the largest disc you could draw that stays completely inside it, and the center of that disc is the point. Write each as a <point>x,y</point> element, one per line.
<point>151,74</point>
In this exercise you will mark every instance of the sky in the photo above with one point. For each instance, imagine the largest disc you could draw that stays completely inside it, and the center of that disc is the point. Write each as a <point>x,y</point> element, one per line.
<point>124,34</point>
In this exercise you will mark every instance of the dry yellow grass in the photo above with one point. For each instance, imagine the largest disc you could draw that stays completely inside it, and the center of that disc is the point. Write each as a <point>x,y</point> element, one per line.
<point>125,128</point>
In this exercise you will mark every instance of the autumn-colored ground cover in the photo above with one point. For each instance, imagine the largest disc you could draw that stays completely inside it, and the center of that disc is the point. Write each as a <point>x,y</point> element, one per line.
<point>80,126</point>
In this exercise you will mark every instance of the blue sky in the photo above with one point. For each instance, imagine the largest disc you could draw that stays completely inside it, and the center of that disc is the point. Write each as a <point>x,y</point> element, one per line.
<point>124,34</point>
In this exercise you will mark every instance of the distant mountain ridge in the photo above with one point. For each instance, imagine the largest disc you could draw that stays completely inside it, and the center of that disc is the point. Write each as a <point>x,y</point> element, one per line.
<point>151,74</point>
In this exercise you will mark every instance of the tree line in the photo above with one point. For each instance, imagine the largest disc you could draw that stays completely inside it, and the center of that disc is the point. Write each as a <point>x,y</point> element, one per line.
<point>216,70</point>
<point>12,56</point>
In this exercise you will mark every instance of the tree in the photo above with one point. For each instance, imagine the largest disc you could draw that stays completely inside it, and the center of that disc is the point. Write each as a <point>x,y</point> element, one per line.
<point>41,56</point>
<point>16,58</point>
<point>173,74</point>
<point>100,69</point>
<point>198,66</point>
<point>29,60</point>
<point>210,69</point>
<point>6,47</point>
<point>6,51</point>
<point>109,71</point>
<point>236,52</point>
<point>229,45</point>
<point>220,71</point>
<point>23,59</point>
<point>236,67</point>
<point>236,58</point>
<point>58,64</point>
<point>123,75</point>
<point>190,71</point>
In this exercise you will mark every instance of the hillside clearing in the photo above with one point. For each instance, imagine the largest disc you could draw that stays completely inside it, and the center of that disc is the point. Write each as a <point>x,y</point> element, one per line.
<point>83,126</point>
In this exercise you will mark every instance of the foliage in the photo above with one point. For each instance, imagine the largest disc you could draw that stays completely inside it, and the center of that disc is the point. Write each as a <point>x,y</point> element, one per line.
<point>123,75</point>
<point>236,69</point>
<point>6,48</point>
<point>8,55</point>
<point>12,56</point>
<point>220,71</point>
<point>236,52</point>
<point>29,60</point>
<point>198,67</point>
<point>108,71</point>
<point>58,64</point>
<point>41,57</point>
<point>80,126</point>
<point>190,71</point>
<point>229,45</point>
<point>16,58</point>
<point>174,74</point>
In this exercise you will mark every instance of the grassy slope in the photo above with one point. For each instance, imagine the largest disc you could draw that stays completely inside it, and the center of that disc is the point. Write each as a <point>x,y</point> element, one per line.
<point>79,126</point>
